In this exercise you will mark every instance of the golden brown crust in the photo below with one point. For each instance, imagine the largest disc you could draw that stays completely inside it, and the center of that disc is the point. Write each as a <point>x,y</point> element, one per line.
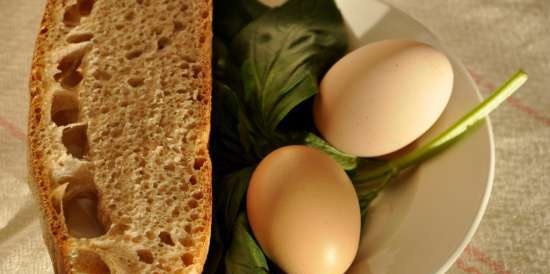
<point>207,86</point>
<point>55,233</point>
<point>207,170</point>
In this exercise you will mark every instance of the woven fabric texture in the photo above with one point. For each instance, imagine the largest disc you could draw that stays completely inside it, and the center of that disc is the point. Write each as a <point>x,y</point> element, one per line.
<point>492,38</point>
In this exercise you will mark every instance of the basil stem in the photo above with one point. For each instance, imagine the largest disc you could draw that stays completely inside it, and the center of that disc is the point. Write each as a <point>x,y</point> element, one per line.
<point>393,167</point>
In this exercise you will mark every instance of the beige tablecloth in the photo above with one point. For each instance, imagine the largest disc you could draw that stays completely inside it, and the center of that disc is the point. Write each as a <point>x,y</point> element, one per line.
<point>492,38</point>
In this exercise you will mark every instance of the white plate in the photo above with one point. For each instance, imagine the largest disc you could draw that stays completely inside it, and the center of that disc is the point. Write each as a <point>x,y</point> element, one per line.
<point>421,224</point>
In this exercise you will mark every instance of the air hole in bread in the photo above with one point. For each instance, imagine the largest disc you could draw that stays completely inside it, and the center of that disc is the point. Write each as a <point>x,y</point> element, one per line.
<point>170,6</point>
<point>193,180</point>
<point>72,79</point>
<point>187,241</point>
<point>133,54</point>
<point>194,217</point>
<point>56,197</point>
<point>101,75</point>
<point>192,204</point>
<point>170,167</point>
<point>89,262</point>
<point>202,152</point>
<point>197,69</point>
<point>162,43</point>
<point>184,7</point>
<point>127,46</point>
<point>71,17</point>
<point>184,187</point>
<point>184,66</point>
<point>137,239</point>
<point>68,75</point>
<point>85,6</point>
<point>80,208</point>
<point>75,140</point>
<point>198,195</point>
<point>166,238</point>
<point>65,108</point>
<point>200,97</point>
<point>139,1</point>
<point>189,59</point>
<point>118,229</point>
<point>199,162</point>
<point>187,259</point>
<point>129,16</point>
<point>178,26</point>
<point>146,256</point>
<point>157,30</point>
<point>202,39</point>
<point>79,37</point>
<point>168,202</point>
<point>136,81</point>
<point>205,14</point>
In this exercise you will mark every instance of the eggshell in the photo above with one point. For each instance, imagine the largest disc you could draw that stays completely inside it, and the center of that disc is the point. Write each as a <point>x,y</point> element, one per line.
<point>382,96</point>
<point>304,212</point>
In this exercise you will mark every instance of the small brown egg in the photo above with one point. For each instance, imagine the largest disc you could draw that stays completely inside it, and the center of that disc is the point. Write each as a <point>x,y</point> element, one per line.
<point>304,211</point>
<point>382,96</point>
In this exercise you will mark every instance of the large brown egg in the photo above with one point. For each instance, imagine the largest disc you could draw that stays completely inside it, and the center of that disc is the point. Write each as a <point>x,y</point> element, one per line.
<point>304,212</point>
<point>382,96</point>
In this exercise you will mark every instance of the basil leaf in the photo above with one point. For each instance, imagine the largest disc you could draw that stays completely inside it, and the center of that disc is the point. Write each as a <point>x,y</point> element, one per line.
<point>236,141</point>
<point>234,187</point>
<point>266,65</point>
<point>231,16</point>
<point>216,251</point>
<point>229,197</point>
<point>282,54</point>
<point>223,68</point>
<point>346,161</point>
<point>244,255</point>
<point>231,135</point>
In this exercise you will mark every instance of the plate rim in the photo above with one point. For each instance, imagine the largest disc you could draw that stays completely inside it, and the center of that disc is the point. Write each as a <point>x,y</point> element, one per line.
<point>491,172</point>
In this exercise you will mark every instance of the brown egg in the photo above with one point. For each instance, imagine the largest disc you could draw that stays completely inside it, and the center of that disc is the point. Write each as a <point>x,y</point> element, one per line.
<point>382,96</point>
<point>304,211</point>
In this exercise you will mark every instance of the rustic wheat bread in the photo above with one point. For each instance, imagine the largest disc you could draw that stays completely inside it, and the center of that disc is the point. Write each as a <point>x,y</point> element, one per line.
<point>118,131</point>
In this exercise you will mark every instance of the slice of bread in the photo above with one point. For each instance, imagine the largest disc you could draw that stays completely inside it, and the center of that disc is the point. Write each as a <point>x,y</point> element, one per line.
<point>118,130</point>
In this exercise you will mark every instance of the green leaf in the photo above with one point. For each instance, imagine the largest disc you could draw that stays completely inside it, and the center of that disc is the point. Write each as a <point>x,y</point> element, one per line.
<point>231,16</point>
<point>215,253</point>
<point>346,161</point>
<point>223,68</point>
<point>282,54</point>
<point>244,255</point>
<point>231,136</point>
<point>229,199</point>
<point>236,140</point>
<point>255,88</point>
<point>233,196</point>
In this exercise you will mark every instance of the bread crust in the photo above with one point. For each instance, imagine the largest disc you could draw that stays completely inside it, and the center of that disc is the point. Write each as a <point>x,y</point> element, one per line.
<point>55,232</point>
